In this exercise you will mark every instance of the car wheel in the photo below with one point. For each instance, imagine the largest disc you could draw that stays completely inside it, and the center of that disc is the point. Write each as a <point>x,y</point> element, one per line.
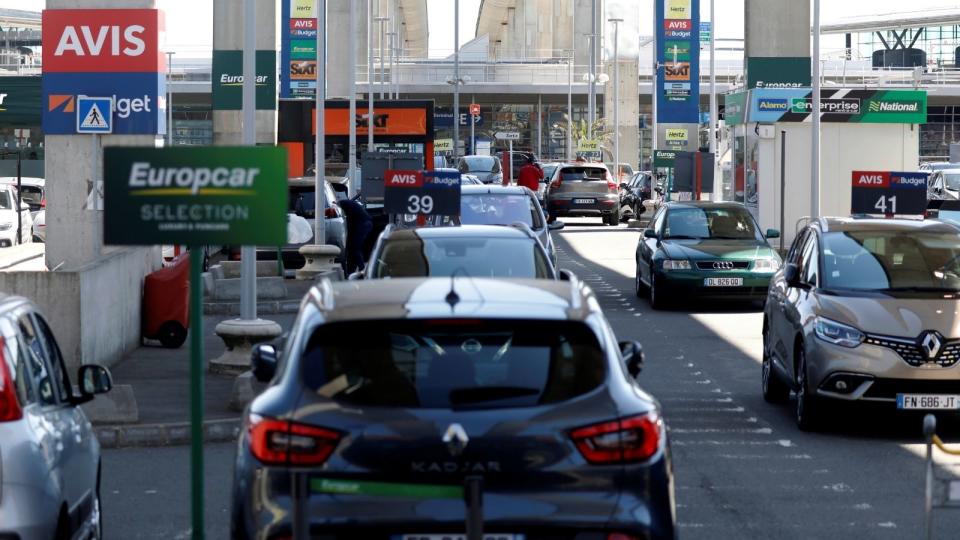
<point>97,511</point>
<point>807,412</point>
<point>172,335</point>
<point>656,297</point>
<point>774,389</point>
<point>639,287</point>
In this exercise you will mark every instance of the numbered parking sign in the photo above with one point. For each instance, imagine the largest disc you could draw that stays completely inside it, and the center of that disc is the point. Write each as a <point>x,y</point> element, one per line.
<point>427,193</point>
<point>889,194</point>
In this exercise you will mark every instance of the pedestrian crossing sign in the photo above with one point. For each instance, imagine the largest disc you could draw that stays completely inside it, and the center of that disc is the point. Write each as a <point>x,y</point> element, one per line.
<point>94,114</point>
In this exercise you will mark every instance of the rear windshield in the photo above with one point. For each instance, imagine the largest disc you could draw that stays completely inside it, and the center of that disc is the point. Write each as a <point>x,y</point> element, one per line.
<point>481,164</point>
<point>453,363</point>
<point>576,174</point>
<point>32,195</point>
<point>474,256</point>
<point>303,202</point>
<point>499,209</point>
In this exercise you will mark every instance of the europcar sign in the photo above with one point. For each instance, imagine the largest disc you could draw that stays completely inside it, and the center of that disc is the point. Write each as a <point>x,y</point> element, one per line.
<point>195,196</point>
<point>104,52</point>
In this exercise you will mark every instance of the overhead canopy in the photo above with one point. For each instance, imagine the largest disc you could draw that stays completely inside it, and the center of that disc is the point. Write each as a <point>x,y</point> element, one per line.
<point>945,16</point>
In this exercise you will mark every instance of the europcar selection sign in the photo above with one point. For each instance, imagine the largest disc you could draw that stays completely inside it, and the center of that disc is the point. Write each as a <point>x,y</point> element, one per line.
<point>195,196</point>
<point>889,194</point>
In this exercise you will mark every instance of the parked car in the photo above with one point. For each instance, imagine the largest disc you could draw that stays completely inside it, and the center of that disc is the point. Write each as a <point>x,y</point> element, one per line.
<point>864,310</point>
<point>944,184</point>
<point>933,166</point>
<point>40,226</point>
<point>548,170</point>
<point>486,168</point>
<point>10,207</point>
<point>704,250</point>
<point>469,250</point>
<point>415,388</point>
<point>624,172</point>
<point>465,179</point>
<point>583,189</point>
<point>49,454</point>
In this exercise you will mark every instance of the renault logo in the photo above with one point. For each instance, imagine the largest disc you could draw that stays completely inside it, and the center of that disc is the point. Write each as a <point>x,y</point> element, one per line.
<point>931,344</point>
<point>722,265</point>
<point>456,439</point>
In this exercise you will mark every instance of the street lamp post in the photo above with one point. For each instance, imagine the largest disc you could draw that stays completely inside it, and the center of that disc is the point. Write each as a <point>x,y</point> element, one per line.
<point>570,107</point>
<point>815,116</point>
<point>352,158</point>
<point>391,35</point>
<point>169,100</point>
<point>616,98</point>
<point>591,105</point>
<point>456,76</point>
<point>370,76</point>
<point>712,132</point>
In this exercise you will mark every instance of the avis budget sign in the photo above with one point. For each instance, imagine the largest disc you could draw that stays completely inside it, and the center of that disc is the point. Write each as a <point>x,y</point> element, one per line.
<point>889,194</point>
<point>104,52</point>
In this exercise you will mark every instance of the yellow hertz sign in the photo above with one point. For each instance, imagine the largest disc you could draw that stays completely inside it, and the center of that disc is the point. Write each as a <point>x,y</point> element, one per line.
<point>677,9</point>
<point>302,9</point>
<point>443,145</point>
<point>587,145</point>
<point>676,135</point>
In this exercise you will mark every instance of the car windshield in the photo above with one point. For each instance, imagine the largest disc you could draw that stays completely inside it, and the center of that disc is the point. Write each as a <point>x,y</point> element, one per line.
<point>482,164</point>
<point>952,180</point>
<point>453,363</point>
<point>716,223</point>
<point>499,209</point>
<point>475,256</point>
<point>891,261</point>
<point>301,200</point>
<point>581,174</point>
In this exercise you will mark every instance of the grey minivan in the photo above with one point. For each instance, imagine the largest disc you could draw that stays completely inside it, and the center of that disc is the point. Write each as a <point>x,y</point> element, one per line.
<point>49,454</point>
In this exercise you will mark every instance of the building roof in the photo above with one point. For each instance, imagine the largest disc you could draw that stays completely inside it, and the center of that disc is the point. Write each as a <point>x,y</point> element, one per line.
<point>942,16</point>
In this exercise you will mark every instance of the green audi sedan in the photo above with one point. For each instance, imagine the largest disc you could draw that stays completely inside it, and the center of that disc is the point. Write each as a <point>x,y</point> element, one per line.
<point>711,250</point>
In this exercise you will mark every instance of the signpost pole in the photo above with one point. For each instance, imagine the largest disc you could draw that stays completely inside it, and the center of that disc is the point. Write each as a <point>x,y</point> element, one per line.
<point>510,159</point>
<point>570,107</point>
<point>616,99</point>
<point>370,77</point>
<point>248,254</point>
<point>815,117</point>
<point>320,194</point>
<point>712,132</point>
<point>456,77</point>
<point>196,390</point>
<point>20,196</point>
<point>473,122</point>
<point>352,184</point>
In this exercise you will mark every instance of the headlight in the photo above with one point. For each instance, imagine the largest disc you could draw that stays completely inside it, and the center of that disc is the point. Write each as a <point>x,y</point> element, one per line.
<point>838,334</point>
<point>675,264</point>
<point>766,265</point>
<point>5,226</point>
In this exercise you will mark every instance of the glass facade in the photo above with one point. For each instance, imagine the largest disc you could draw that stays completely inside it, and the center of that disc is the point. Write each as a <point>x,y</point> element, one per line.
<point>940,130</point>
<point>940,43</point>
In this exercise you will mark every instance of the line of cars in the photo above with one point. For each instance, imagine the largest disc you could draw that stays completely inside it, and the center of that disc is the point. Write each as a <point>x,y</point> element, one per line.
<point>460,365</point>
<point>860,311</point>
<point>32,203</point>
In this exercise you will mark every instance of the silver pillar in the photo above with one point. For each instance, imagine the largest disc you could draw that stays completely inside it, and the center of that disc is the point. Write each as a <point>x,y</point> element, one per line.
<point>456,77</point>
<point>383,74</point>
<point>570,107</point>
<point>248,254</point>
<point>320,196</point>
<point>815,124</point>
<point>712,131</point>
<point>616,99</point>
<point>370,76</point>
<point>352,183</point>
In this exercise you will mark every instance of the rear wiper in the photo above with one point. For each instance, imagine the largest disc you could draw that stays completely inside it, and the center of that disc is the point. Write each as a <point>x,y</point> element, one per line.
<point>489,393</point>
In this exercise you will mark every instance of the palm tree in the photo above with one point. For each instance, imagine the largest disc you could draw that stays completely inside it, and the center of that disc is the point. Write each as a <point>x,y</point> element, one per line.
<point>580,133</point>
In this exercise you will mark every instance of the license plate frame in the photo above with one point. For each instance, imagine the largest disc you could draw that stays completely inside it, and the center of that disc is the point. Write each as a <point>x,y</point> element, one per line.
<point>928,402</point>
<point>584,201</point>
<point>723,282</point>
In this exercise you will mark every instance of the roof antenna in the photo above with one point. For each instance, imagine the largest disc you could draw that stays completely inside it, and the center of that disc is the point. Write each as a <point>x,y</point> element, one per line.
<point>452,297</point>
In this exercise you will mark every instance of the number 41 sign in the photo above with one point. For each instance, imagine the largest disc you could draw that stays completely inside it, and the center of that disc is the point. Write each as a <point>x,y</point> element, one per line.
<point>889,194</point>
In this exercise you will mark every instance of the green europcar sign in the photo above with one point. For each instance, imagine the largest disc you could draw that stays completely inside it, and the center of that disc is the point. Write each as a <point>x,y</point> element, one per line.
<point>195,195</point>
<point>227,80</point>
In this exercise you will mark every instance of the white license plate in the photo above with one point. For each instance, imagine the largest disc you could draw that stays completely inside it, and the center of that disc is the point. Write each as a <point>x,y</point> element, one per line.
<point>723,282</point>
<point>458,537</point>
<point>928,401</point>
<point>584,201</point>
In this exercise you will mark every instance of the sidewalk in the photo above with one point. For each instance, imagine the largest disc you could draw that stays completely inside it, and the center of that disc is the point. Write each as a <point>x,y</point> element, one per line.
<point>160,381</point>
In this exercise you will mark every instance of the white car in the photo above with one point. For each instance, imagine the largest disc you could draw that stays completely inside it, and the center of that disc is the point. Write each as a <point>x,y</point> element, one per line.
<point>8,218</point>
<point>33,192</point>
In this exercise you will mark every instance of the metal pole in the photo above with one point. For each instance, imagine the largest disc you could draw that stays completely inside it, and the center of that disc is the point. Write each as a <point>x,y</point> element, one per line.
<point>712,131</point>
<point>393,71</point>
<point>370,76</point>
<point>539,125</point>
<point>591,109</point>
<point>20,196</point>
<point>196,391</point>
<point>815,125</point>
<point>248,254</point>
<point>169,100</point>
<point>783,183</point>
<point>352,158</point>
<point>570,107</point>
<point>320,196</point>
<point>616,99</point>
<point>383,72</point>
<point>473,122</point>
<point>456,77</point>
<point>510,160</point>
<point>654,96</point>
<point>591,77</point>
<point>929,430</point>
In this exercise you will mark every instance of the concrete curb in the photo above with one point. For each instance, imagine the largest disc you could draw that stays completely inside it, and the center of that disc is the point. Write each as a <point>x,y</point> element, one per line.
<point>267,308</point>
<point>20,254</point>
<point>172,434</point>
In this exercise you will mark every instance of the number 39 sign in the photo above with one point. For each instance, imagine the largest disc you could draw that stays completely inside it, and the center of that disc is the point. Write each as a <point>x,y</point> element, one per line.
<point>889,194</point>
<point>425,193</point>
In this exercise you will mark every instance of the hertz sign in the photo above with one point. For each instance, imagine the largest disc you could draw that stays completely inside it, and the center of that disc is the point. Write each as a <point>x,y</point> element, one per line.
<point>104,52</point>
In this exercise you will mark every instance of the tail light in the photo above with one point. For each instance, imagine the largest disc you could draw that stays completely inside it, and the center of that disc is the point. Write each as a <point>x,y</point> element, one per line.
<point>610,183</point>
<point>555,184</point>
<point>43,202</point>
<point>620,441</point>
<point>279,442</point>
<point>9,403</point>
<point>330,213</point>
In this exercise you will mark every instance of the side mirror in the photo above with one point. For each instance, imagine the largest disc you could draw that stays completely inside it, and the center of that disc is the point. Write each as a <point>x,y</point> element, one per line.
<point>650,233</point>
<point>556,225</point>
<point>632,354</point>
<point>263,362</point>
<point>94,379</point>
<point>566,275</point>
<point>773,233</point>
<point>356,276</point>
<point>791,274</point>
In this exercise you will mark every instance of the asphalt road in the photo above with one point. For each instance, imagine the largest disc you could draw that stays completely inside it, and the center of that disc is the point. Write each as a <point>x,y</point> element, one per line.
<point>743,469</point>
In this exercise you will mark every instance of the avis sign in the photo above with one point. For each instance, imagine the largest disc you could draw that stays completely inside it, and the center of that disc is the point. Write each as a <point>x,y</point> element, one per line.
<point>104,52</point>
<point>427,193</point>
<point>888,194</point>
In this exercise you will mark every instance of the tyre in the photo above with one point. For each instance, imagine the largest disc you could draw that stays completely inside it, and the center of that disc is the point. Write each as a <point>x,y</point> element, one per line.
<point>97,511</point>
<point>640,288</point>
<point>172,335</point>
<point>657,300</point>
<point>774,389</point>
<point>808,407</point>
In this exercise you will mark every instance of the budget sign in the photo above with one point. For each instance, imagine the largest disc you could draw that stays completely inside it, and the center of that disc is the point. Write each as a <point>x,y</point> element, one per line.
<point>195,196</point>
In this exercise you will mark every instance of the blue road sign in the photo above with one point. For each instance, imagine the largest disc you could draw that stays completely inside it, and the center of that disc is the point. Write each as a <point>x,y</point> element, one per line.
<point>94,114</point>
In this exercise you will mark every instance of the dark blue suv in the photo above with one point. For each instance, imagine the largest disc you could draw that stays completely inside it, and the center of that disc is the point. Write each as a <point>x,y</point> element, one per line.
<point>419,409</point>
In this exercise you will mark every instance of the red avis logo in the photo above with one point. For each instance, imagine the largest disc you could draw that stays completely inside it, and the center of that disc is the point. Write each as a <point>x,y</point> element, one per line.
<point>403,178</point>
<point>102,40</point>
<point>678,24</point>
<point>871,179</point>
